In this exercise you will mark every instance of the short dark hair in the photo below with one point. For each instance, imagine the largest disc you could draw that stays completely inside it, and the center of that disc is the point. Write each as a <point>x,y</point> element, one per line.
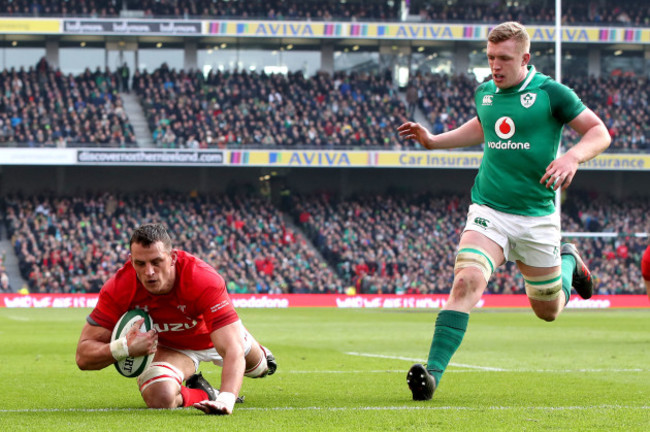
<point>148,234</point>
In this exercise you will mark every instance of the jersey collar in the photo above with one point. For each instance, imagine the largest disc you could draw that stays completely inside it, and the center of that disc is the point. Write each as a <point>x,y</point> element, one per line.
<point>525,83</point>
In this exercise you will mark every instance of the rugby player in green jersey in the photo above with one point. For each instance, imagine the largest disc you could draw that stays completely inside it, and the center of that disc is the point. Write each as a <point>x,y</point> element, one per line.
<point>520,117</point>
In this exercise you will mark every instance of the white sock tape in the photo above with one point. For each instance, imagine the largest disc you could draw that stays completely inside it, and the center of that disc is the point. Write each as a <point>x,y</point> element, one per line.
<point>120,349</point>
<point>228,399</point>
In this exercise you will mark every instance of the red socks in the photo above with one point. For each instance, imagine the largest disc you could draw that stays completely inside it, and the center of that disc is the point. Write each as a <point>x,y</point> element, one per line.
<point>192,396</point>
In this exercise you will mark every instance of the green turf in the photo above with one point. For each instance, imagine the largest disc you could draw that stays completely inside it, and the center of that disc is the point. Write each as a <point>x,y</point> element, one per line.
<point>345,370</point>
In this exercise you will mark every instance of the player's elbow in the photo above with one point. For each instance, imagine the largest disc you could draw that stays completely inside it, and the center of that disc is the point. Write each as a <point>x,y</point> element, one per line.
<point>233,355</point>
<point>605,137</point>
<point>81,363</point>
<point>236,351</point>
<point>84,362</point>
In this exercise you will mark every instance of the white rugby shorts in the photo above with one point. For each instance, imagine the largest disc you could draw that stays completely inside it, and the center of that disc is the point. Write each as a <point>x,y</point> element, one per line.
<point>211,354</point>
<point>533,240</point>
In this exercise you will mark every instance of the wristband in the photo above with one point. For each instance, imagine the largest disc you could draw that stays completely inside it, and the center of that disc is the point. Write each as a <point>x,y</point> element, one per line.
<point>119,349</point>
<point>228,399</point>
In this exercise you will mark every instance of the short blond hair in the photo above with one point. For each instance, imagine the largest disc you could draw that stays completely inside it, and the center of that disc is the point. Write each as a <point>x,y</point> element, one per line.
<point>510,30</point>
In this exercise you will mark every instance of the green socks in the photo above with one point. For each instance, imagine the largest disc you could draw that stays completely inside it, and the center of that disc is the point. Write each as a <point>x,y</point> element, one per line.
<point>449,332</point>
<point>568,266</point>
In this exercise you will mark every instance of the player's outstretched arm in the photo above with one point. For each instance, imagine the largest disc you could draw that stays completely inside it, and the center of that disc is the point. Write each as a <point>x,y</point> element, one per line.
<point>94,348</point>
<point>228,342</point>
<point>466,135</point>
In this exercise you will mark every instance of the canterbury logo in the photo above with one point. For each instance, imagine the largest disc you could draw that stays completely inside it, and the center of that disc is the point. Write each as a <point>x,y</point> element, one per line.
<point>487,99</point>
<point>481,222</point>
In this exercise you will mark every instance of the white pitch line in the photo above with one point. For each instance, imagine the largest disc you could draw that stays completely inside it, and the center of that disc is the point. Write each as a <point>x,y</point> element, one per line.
<point>340,371</point>
<point>400,371</point>
<point>17,318</point>
<point>485,368</point>
<point>493,369</point>
<point>367,408</point>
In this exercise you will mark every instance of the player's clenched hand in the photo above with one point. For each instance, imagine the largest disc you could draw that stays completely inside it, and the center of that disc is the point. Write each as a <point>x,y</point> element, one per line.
<point>415,131</point>
<point>213,407</point>
<point>141,343</point>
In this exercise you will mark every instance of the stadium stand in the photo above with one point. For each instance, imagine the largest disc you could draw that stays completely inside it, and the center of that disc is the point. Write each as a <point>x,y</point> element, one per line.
<point>266,9</point>
<point>72,244</point>
<point>622,103</point>
<point>42,107</point>
<point>237,109</point>
<point>369,244</point>
<point>608,12</point>
<point>335,109</point>
<point>366,244</point>
<point>249,109</point>
<point>185,109</point>
<point>406,244</point>
<point>5,285</point>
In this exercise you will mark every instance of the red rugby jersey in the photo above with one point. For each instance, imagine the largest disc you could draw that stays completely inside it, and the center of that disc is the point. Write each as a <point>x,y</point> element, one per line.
<point>196,306</point>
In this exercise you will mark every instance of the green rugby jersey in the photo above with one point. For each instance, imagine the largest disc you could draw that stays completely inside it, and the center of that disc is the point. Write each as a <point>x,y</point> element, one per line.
<point>522,127</point>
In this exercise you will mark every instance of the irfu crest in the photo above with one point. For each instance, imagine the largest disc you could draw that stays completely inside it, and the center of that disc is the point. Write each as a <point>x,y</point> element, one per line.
<point>528,99</point>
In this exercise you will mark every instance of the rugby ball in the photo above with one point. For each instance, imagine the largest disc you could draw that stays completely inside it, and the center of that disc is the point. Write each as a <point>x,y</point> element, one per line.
<point>131,367</point>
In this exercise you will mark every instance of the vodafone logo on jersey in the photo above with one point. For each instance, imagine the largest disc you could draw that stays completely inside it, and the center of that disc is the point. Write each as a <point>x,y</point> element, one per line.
<point>504,128</point>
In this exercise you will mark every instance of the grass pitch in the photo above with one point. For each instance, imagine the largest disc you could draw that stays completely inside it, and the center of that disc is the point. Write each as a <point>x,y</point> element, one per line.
<point>346,370</point>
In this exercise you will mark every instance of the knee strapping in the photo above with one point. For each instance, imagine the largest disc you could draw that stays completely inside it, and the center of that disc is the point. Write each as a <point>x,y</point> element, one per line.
<point>544,288</point>
<point>472,256</point>
<point>259,370</point>
<point>159,372</point>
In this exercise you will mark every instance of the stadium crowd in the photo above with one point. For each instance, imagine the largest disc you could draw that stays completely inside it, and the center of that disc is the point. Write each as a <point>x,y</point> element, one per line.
<point>5,283</point>
<point>623,103</point>
<point>397,244</point>
<point>365,244</point>
<point>607,12</point>
<point>230,109</point>
<point>42,107</point>
<point>72,244</point>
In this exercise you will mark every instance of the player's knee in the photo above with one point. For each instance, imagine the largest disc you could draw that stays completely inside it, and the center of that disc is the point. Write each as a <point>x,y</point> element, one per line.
<point>473,268</point>
<point>546,288</point>
<point>160,398</point>
<point>160,385</point>
<point>545,293</point>
<point>547,315</point>
<point>468,282</point>
<point>258,369</point>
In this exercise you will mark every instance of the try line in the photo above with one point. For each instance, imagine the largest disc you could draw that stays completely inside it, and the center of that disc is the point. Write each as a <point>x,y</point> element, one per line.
<point>367,408</point>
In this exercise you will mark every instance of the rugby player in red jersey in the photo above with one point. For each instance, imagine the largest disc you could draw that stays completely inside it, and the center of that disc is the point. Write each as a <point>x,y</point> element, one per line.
<point>194,321</point>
